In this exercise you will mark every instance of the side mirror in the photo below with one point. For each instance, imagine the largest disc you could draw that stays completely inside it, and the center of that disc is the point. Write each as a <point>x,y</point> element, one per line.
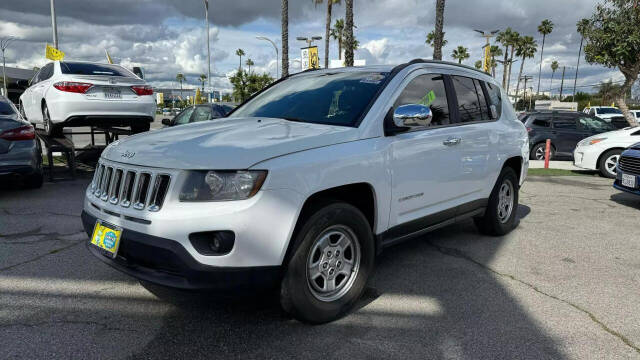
<point>494,112</point>
<point>166,122</point>
<point>412,116</point>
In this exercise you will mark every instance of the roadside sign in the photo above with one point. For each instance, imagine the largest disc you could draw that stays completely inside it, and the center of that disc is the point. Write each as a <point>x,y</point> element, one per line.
<point>52,53</point>
<point>309,58</point>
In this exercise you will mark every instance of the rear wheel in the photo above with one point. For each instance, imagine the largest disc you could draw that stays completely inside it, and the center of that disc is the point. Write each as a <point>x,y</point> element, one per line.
<point>49,127</point>
<point>609,162</point>
<point>500,215</point>
<point>332,259</point>
<point>537,152</point>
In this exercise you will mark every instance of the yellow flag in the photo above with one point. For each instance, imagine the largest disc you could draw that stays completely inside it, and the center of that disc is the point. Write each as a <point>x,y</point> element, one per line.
<point>108,57</point>
<point>53,53</point>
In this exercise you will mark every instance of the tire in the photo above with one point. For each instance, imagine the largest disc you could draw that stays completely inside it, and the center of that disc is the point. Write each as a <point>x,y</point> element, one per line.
<point>318,242</point>
<point>498,220</point>
<point>540,149</point>
<point>138,128</point>
<point>607,163</point>
<point>35,179</point>
<point>49,127</point>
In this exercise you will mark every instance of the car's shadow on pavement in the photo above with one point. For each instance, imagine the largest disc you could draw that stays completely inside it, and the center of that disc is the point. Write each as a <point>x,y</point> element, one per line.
<point>630,200</point>
<point>434,297</point>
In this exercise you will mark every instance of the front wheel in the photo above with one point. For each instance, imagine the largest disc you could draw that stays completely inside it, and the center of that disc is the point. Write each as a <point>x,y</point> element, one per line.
<point>608,163</point>
<point>500,215</point>
<point>332,259</point>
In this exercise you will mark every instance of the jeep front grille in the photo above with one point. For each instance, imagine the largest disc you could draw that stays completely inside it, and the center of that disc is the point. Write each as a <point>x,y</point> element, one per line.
<point>140,189</point>
<point>629,164</point>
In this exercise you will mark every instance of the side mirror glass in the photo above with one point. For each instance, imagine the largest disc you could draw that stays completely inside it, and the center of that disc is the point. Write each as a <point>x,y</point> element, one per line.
<point>412,116</point>
<point>166,122</point>
<point>494,112</point>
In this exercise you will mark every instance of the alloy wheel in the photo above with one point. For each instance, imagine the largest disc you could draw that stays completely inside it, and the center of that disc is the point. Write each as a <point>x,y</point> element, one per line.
<point>505,201</point>
<point>611,163</point>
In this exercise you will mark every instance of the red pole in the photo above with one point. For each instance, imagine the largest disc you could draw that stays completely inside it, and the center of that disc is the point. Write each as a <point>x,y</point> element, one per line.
<point>546,153</point>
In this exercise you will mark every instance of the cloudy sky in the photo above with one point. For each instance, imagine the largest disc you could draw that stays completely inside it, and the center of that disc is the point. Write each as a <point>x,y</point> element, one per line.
<point>169,36</point>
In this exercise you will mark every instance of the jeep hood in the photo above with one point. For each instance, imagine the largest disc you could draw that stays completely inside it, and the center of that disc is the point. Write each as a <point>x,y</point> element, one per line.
<point>233,143</point>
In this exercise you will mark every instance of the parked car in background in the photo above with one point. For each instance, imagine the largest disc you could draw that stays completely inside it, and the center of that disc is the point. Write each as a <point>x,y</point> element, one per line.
<point>603,112</point>
<point>166,111</point>
<point>303,185</point>
<point>196,113</point>
<point>601,152</point>
<point>620,122</point>
<point>69,93</point>
<point>20,151</point>
<point>564,128</point>
<point>628,174</point>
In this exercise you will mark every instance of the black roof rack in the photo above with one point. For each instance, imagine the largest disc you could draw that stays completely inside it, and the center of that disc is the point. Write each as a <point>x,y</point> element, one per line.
<point>425,61</point>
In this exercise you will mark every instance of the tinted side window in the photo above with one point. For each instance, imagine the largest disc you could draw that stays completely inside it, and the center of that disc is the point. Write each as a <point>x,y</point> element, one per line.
<point>427,90</point>
<point>202,113</point>
<point>592,111</point>
<point>47,72</point>
<point>542,121</point>
<point>565,123</point>
<point>594,124</point>
<point>184,116</point>
<point>495,98</point>
<point>468,100</point>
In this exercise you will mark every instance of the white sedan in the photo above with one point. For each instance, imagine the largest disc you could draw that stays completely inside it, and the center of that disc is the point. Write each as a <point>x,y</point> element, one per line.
<point>602,151</point>
<point>67,94</point>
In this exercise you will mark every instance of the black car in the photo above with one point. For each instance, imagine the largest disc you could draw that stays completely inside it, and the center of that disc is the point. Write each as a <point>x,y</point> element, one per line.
<point>628,171</point>
<point>198,113</point>
<point>20,151</point>
<point>564,128</point>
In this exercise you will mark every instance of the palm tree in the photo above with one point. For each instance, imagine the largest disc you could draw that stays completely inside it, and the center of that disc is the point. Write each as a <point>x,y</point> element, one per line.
<point>349,44</point>
<point>337,33</point>
<point>249,64</point>
<point>284,20</point>
<point>438,41</point>
<point>327,28</point>
<point>478,64</point>
<point>581,25</point>
<point>504,38</point>
<point>431,38</point>
<point>494,51</point>
<point>203,79</point>
<point>180,78</point>
<point>240,53</point>
<point>554,68</point>
<point>514,40</point>
<point>525,49</point>
<point>461,53</point>
<point>545,28</point>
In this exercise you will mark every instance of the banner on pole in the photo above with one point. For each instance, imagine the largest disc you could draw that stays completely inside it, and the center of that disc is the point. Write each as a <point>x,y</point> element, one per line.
<point>52,53</point>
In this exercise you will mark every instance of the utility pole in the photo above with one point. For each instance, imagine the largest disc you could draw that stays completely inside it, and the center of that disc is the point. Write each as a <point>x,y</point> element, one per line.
<point>562,82</point>
<point>54,25</point>
<point>275,47</point>
<point>4,43</point>
<point>575,80</point>
<point>206,16</point>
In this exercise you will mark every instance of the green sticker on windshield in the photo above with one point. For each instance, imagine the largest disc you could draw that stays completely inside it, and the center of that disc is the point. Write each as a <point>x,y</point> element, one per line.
<point>428,99</point>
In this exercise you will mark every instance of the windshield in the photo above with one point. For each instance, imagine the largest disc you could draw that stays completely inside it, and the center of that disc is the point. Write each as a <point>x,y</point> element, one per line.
<point>94,69</point>
<point>324,98</point>
<point>609,111</point>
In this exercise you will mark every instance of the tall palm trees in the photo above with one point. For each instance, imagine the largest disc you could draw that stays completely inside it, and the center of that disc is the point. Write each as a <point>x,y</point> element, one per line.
<point>349,45</point>
<point>327,30</point>
<point>431,40</point>
<point>240,53</point>
<point>545,28</point>
<point>506,39</point>
<point>203,79</point>
<point>581,25</point>
<point>460,54</point>
<point>284,20</point>
<point>514,41</point>
<point>249,64</point>
<point>525,49</point>
<point>554,68</point>
<point>337,33</point>
<point>438,41</point>
<point>180,78</point>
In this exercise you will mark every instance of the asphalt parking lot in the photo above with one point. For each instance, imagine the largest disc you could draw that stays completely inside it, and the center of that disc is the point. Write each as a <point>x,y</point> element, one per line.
<point>564,284</point>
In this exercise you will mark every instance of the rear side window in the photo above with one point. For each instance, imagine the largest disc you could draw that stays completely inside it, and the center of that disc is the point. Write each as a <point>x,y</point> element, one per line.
<point>6,108</point>
<point>495,98</point>
<point>542,121</point>
<point>469,101</point>
<point>565,123</point>
<point>74,68</point>
<point>202,113</point>
<point>184,116</point>
<point>427,90</point>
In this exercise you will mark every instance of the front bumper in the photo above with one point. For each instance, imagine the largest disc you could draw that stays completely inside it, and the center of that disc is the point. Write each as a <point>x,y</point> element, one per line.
<point>168,263</point>
<point>586,157</point>
<point>618,184</point>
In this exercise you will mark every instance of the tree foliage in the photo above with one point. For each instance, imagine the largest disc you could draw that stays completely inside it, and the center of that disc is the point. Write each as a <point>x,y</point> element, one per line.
<point>246,84</point>
<point>612,36</point>
<point>461,53</point>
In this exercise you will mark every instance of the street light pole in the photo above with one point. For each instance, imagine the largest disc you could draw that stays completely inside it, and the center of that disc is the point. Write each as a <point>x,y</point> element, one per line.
<point>54,25</point>
<point>309,40</point>
<point>4,43</point>
<point>206,8</point>
<point>275,47</point>
<point>487,35</point>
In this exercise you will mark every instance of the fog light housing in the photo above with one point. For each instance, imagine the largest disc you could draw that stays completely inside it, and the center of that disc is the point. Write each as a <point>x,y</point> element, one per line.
<point>213,243</point>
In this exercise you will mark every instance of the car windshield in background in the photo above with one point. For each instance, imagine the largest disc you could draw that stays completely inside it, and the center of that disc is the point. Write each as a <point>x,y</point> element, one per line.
<point>609,111</point>
<point>93,69</point>
<point>596,124</point>
<point>6,109</point>
<point>325,98</point>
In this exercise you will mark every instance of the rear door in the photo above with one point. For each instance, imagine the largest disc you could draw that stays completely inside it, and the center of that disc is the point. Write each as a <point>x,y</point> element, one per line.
<point>567,134</point>
<point>38,91</point>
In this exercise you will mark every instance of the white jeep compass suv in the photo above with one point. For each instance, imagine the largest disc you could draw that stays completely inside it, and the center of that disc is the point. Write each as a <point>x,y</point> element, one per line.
<point>304,184</point>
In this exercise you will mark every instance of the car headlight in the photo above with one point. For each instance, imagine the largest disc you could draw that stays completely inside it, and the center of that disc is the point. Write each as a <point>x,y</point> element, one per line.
<point>222,185</point>
<point>591,141</point>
